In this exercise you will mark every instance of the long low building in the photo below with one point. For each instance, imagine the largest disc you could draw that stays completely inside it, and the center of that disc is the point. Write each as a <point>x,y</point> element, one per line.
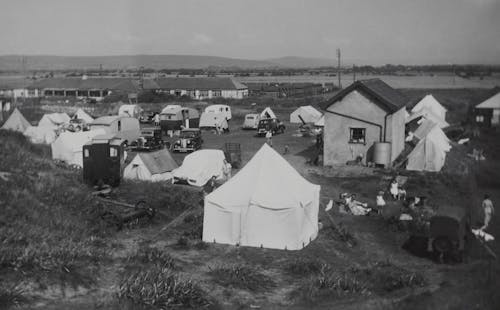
<point>202,87</point>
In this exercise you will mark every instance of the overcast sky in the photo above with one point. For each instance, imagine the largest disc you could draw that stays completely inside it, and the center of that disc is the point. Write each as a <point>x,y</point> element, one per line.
<point>367,31</point>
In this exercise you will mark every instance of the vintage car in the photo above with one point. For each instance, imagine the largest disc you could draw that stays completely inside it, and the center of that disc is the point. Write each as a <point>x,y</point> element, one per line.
<point>77,124</point>
<point>149,140</point>
<point>270,124</point>
<point>190,140</point>
<point>147,117</point>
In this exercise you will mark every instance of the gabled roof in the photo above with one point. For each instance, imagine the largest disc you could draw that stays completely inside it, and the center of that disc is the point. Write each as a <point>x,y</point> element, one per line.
<point>122,84</point>
<point>491,103</point>
<point>158,162</point>
<point>199,83</point>
<point>388,98</point>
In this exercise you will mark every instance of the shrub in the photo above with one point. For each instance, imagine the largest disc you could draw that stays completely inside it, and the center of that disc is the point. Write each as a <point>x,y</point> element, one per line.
<point>241,276</point>
<point>153,256</point>
<point>162,288</point>
<point>341,233</point>
<point>11,295</point>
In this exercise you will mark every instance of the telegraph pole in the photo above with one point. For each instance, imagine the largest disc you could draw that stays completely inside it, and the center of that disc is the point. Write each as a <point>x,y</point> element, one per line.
<point>338,66</point>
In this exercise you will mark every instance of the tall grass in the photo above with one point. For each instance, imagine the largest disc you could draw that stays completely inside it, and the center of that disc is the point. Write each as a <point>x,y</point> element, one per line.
<point>241,276</point>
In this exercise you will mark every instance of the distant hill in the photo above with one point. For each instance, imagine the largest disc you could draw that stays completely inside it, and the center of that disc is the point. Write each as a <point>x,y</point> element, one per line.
<point>49,62</point>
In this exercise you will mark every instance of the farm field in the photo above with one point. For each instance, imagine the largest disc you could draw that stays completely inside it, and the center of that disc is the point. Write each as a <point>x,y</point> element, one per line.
<point>68,258</point>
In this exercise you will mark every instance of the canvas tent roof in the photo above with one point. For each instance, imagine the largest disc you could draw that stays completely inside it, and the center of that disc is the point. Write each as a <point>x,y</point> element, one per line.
<point>131,110</point>
<point>267,203</point>
<point>429,102</point>
<point>152,166</point>
<point>54,119</point>
<point>198,167</point>
<point>211,120</point>
<point>425,113</point>
<point>16,122</point>
<point>81,114</point>
<point>308,113</point>
<point>40,135</point>
<point>320,122</point>
<point>68,146</point>
<point>430,152</point>
<point>106,120</point>
<point>267,113</point>
<point>490,103</point>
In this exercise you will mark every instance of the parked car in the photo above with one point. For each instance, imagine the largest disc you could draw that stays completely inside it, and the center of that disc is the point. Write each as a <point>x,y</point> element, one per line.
<point>147,117</point>
<point>149,140</point>
<point>251,121</point>
<point>273,125</point>
<point>77,124</point>
<point>190,140</point>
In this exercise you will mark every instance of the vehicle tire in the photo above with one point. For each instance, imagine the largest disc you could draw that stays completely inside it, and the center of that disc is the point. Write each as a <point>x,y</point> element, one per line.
<point>442,245</point>
<point>77,129</point>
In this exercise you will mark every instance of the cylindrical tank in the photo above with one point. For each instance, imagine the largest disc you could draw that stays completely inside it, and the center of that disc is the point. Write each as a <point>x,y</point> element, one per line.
<point>382,153</point>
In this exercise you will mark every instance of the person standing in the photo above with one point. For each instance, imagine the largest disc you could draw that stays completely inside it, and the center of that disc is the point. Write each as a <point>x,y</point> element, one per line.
<point>488,210</point>
<point>394,189</point>
<point>156,119</point>
<point>269,137</point>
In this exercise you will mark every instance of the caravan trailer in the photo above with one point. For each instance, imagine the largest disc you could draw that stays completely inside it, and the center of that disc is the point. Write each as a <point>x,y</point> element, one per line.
<point>173,117</point>
<point>123,127</point>
<point>220,108</point>
<point>104,160</point>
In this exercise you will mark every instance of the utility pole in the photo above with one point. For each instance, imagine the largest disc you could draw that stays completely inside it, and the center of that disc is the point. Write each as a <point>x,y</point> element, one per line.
<point>338,66</point>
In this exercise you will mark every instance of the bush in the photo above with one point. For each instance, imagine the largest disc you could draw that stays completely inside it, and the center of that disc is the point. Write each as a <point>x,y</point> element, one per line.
<point>11,296</point>
<point>154,257</point>
<point>241,276</point>
<point>162,288</point>
<point>341,233</point>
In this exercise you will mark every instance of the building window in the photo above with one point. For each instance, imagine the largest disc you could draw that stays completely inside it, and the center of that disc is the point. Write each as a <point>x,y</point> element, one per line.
<point>357,135</point>
<point>113,152</point>
<point>479,118</point>
<point>203,93</point>
<point>216,93</point>
<point>119,125</point>
<point>86,153</point>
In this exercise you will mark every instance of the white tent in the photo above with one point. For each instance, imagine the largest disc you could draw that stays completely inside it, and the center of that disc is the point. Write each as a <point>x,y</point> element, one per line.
<point>427,114</point>
<point>131,110</point>
<point>153,166</point>
<point>41,135</point>
<point>266,204</point>
<point>430,103</point>
<point>430,152</point>
<point>198,167</point>
<point>54,120</point>
<point>308,113</point>
<point>16,122</point>
<point>320,122</point>
<point>81,114</point>
<point>68,146</point>
<point>212,120</point>
<point>267,113</point>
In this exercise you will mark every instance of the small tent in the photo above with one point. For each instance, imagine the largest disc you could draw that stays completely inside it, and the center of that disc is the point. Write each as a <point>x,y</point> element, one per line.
<point>41,135</point>
<point>430,152</point>
<point>131,110</point>
<point>266,204</point>
<point>213,120</point>
<point>308,114</point>
<point>320,122</point>
<point>68,147</point>
<point>153,166</point>
<point>430,103</point>
<point>267,113</point>
<point>81,114</point>
<point>54,120</point>
<point>198,167</point>
<point>16,122</point>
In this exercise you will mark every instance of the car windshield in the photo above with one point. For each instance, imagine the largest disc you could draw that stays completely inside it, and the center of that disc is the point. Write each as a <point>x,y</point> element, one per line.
<point>265,121</point>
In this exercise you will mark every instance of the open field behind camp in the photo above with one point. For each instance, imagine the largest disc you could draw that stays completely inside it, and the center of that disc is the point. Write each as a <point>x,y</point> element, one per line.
<point>57,253</point>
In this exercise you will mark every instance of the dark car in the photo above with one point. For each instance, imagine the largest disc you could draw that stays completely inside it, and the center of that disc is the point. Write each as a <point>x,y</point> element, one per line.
<point>147,117</point>
<point>77,124</point>
<point>150,140</point>
<point>190,140</point>
<point>273,125</point>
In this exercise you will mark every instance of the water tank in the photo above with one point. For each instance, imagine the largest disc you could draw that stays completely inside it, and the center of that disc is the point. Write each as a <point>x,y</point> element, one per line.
<point>382,153</point>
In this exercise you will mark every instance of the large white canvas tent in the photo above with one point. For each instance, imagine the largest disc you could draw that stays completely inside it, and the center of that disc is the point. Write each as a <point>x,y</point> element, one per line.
<point>266,204</point>
<point>430,152</point>
<point>199,167</point>
<point>427,114</point>
<point>153,166</point>
<point>54,120</point>
<point>41,135</point>
<point>430,103</point>
<point>16,122</point>
<point>213,120</point>
<point>68,147</point>
<point>131,110</point>
<point>81,114</point>
<point>308,113</point>
<point>267,113</point>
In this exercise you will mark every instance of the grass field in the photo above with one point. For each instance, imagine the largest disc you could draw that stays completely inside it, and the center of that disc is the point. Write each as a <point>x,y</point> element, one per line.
<point>56,252</point>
